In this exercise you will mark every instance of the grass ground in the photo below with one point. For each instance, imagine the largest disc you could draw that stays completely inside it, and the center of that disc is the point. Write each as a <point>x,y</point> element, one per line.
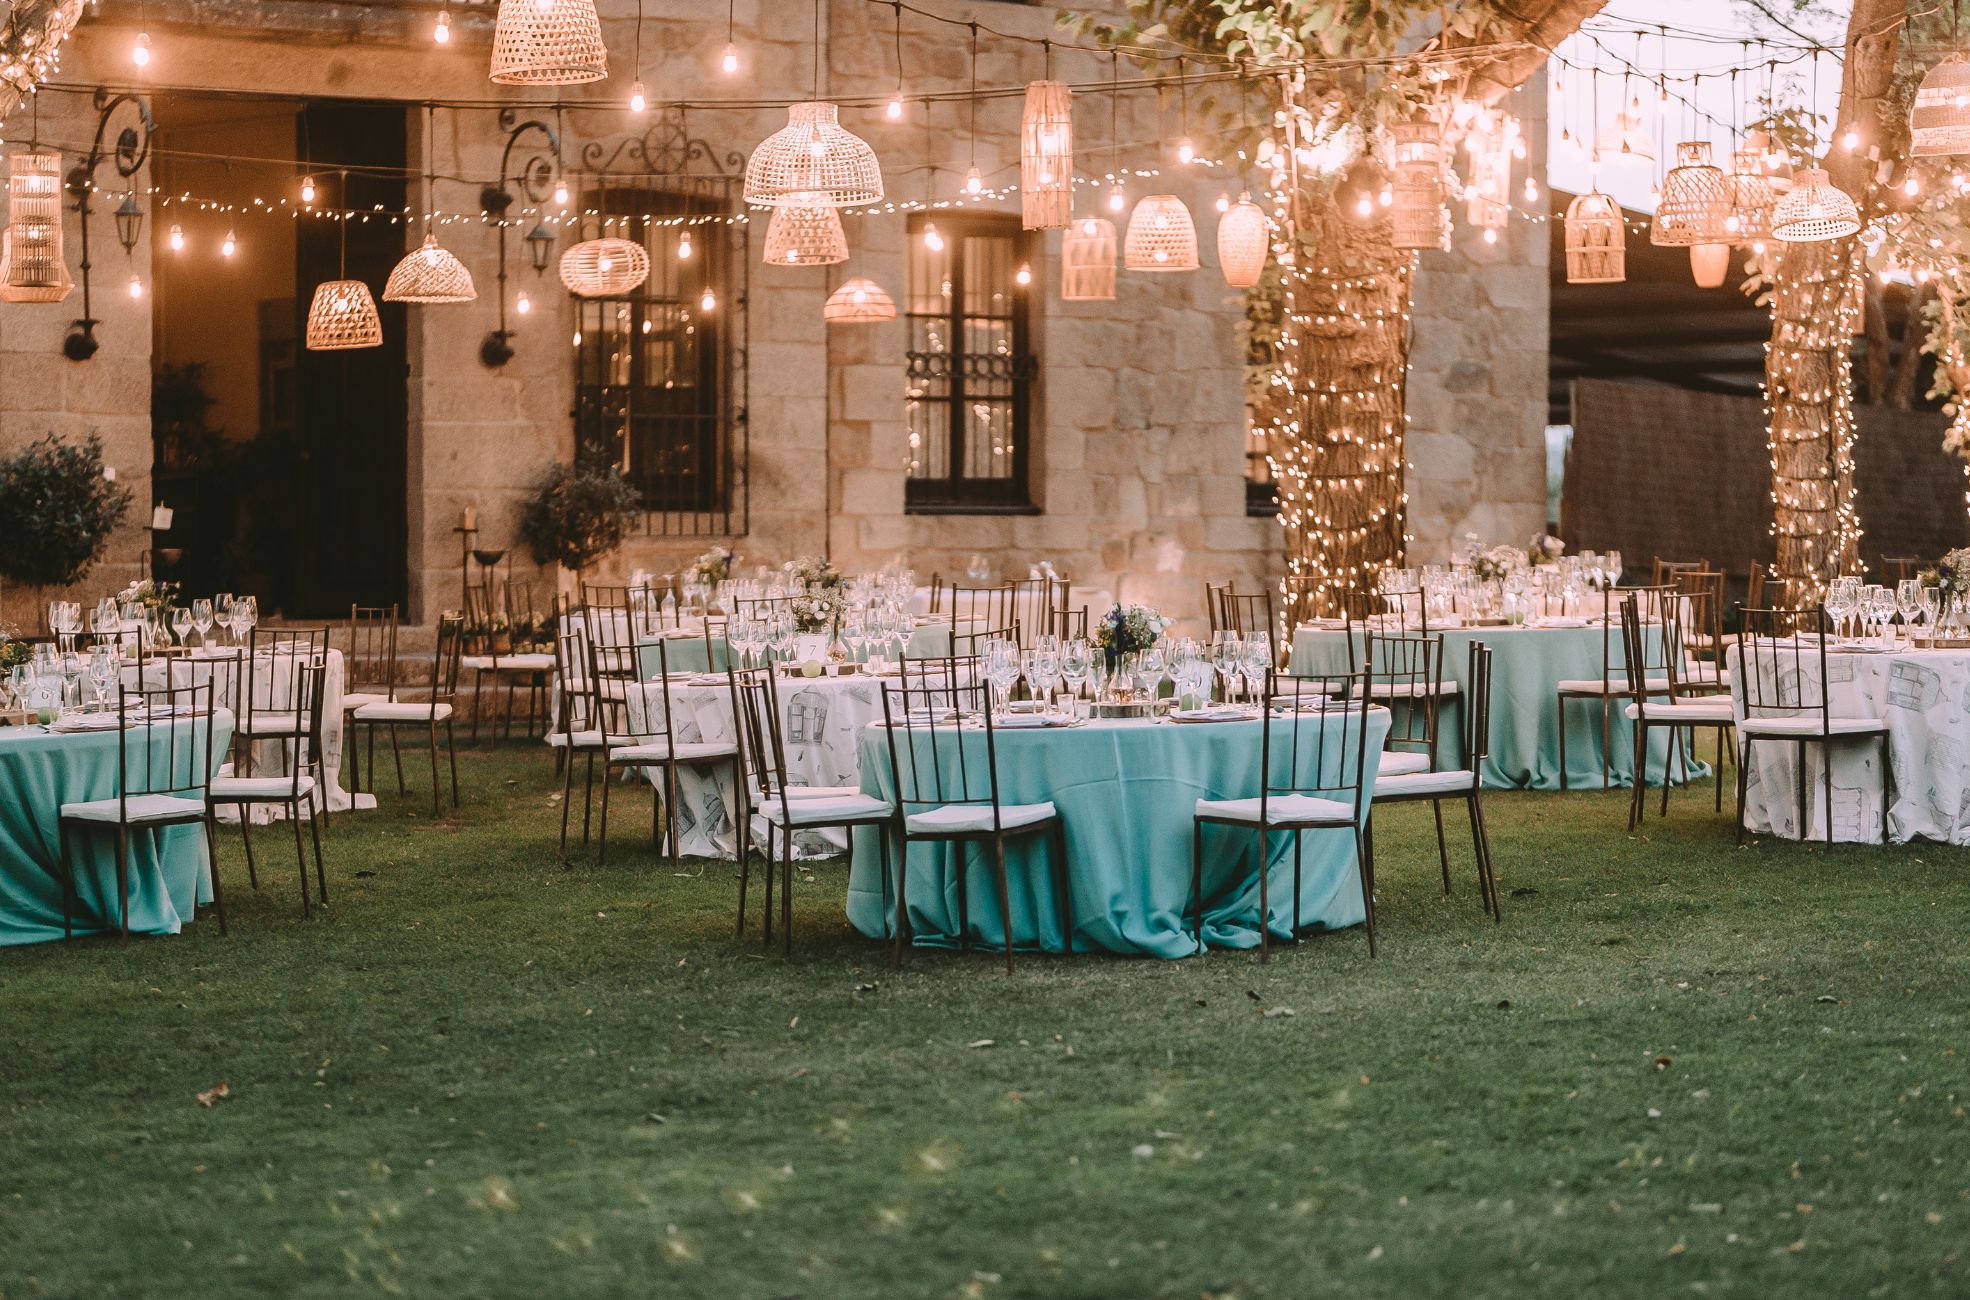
<point>1679,1067</point>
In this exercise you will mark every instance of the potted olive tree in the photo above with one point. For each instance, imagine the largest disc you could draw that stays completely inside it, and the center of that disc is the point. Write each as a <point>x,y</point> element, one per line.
<point>578,514</point>
<point>60,512</point>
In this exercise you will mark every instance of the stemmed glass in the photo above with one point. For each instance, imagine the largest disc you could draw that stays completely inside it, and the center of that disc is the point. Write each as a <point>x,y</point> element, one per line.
<point>181,623</point>
<point>1257,663</point>
<point>1001,668</point>
<point>246,613</point>
<point>1611,565</point>
<point>222,613</point>
<point>1908,602</point>
<point>1150,665</point>
<point>779,635</point>
<point>1076,662</point>
<point>853,630</point>
<point>1932,602</point>
<point>1225,658</point>
<point>202,620</point>
<point>102,668</point>
<point>1840,602</point>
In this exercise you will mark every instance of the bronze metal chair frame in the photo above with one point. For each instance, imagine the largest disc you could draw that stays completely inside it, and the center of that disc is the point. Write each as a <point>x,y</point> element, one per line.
<point>443,689</point>
<point>313,681</point>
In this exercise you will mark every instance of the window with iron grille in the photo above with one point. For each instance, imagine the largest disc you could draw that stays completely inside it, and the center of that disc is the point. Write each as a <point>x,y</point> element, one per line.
<point>970,377</point>
<point>659,372</point>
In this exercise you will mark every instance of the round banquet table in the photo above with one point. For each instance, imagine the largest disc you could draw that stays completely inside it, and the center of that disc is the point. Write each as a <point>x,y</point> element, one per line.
<point>1127,792</point>
<point>685,650</point>
<point>821,721</point>
<point>1924,697</point>
<point>40,770</point>
<point>1527,665</point>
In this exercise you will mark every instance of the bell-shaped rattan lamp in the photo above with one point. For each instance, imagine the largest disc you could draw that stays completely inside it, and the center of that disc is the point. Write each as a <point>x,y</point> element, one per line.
<point>1160,236</point>
<point>813,158</point>
<point>805,235</point>
<point>548,43</point>
<point>1814,209</point>
<point>858,301</point>
<point>343,316</point>
<point>1696,203</point>
<point>1939,120</point>
<point>430,274</point>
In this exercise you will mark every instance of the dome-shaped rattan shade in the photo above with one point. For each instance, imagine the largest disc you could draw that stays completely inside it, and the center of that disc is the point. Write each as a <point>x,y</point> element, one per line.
<point>1046,156</point>
<point>1087,261</point>
<point>430,275</point>
<point>1939,121</point>
<point>1696,204</point>
<point>604,268</point>
<point>812,158</point>
<point>1243,240</point>
<point>1752,197</point>
<point>31,255</point>
<point>1160,236</point>
<point>1596,240</point>
<point>343,316</point>
<point>805,235</point>
<point>1418,218</point>
<point>1709,264</point>
<point>857,301</point>
<point>548,43</point>
<point>1814,209</point>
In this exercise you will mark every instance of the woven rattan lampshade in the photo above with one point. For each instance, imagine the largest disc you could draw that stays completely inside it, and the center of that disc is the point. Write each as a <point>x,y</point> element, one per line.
<point>1488,188</point>
<point>34,268</point>
<point>1046,156</point>
<point>1814,209</point>
<point>1752,196</point>
<point>1939,121</point>
<point>1696,204</point>
<point>343,316</point>
<point>1416,212</point>
<point>548,43</point>
<point>1160,236</point>
<point>1087,261</point>
<point>1596,240</point>
<point>1709,264</point>
<point>812,158</point>
<point>858,301</point>
<point>1242,243</point>
<point>807,235</point>
<point>604,268</point>
<point>430,274</point>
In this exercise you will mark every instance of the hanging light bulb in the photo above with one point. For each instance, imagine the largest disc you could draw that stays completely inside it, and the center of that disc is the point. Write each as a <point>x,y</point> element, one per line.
<point>1024,275</point>
<point>442,32</point>
<point>577,338</point>
<point>1185,152</point>
<point>140,52</point>
<point>560,193</point>
<point>1531,190</point>
<point>1117,200</point>
<point>136,286</point>
<point>894,109</point>
<point>973,182</point>
<point>931,239</point>
<point>177,239</point>
<point>709,302</point>
<point>1912,186</point>
<point>522,304</point>
<point>1364,207</point>
<point>1224,202</point>
<point>229,245</point>
<point>1490,235</point>
<point>728,62</point>
<point>1850,139</point>
<point>637,101</point>
<point>307,189</point>
<point>683,245</point>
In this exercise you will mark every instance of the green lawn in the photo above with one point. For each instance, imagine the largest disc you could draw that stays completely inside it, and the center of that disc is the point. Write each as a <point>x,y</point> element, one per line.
<point>1678,1067</point>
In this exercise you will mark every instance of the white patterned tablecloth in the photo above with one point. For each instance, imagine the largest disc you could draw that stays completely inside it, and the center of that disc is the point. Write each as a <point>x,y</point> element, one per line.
<point>1924,697</point>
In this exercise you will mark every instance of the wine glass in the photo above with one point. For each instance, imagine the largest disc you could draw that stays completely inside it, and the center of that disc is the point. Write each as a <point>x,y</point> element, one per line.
<point>1908,602</point>
<point>1611,565</point>
<point>102,668</point>
<point>1840,600</point>
<point>181,623</point>
<point>1001,668</point>
<point>202,619</point>
<point>1258,662</point>
<point>1076,661</point>
<point>854,630</point>
<point>222,613</point>
<point>1225,658</point>
<point>1151,663</point>
<point>1932,603</point>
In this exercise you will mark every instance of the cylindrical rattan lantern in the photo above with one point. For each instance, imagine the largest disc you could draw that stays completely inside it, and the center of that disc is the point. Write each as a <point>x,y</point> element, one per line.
<point>1596,240</point>
<point>1160,236</point>
<point>813,159</point>
<point>805,235</point>
<point>430,275</point>
<point>604,268</point>
<point>1243,240</point>
<point>1939,121</point>
<point>1417,215</point>
<point>1814,209</point>
<point>1046,156</point>
<point>1488,190</point>
<point>858,301</point>
<point>1087,261</point>
<point>1752,196</point>
<point>548,43</point>
<point>1709,264</point>
<point>1696,202</point>
<point>343,316</point>
<point>35,270</point>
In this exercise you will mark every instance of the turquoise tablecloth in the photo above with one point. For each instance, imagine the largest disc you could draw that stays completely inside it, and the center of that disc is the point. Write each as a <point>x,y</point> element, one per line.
<point>1127,792</point>
<point>1527,665</point>
<point>39,772</point>
<point>686,654</point>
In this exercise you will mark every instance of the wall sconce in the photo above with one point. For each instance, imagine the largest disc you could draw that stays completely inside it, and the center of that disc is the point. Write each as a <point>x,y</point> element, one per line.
<point>132,147</point>
<point>537,178</point>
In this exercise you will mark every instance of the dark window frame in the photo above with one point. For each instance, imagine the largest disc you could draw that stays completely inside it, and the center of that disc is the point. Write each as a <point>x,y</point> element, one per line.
<point>960,493</point>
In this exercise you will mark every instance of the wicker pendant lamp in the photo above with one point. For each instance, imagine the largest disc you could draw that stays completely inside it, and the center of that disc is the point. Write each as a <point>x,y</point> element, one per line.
<point>1696,204</point>
<point>430,275</point>
<point>809,234</point>
<point>548,43</point>
<point>1046,156</point>
<point>812,158</point>
<point>1596,240</point>
<point>1939,120</point>
<point>1087,261</point>
<point>1160,236</point>
<point>1709,264</point>
<point>604,268</point>
<point>343,316</point>
<point>1417,216</point>
<point>1814,209</point>
<point>858,301</point>
<point>1242,243</point>
<point>34,268</point>
<point>1752,196</point>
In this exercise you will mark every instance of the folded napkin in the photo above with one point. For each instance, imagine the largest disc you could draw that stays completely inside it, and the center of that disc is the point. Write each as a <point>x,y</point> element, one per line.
<point>1561,621</point>
<point>1216,713</point>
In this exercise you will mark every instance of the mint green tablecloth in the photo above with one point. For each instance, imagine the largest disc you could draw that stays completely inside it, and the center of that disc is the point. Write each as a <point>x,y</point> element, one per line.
<point>1127,792</point>
<point>1527,665</point>
<point>39,772</point>
<point>687,654</point>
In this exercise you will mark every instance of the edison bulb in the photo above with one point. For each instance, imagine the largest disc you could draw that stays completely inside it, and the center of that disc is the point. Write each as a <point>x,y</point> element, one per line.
<point>1850,139</point>
<point>521,304</point>
<point>140,52</point>
<point>177,239</point>
<point>1185,152</point>
<point>307,189</point>
<point>709,302</point>
<point>684,245</point>
<point>1024,275</point>
<point>728,62</point>
<point>973,182</point>
<point>894,110</point>
<point>442,32</point>
<point>229,245</point>
<point>560,194</point>
<point>1224,203</point>
<point>1490,235</point>
<point>1365,207</point>
<point>1117,200</point>
<point>136,286</point>
<point>931,239</point>
<point>637,101</point>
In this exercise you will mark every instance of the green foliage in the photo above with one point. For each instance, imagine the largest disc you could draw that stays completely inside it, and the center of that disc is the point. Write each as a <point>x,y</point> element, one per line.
<point>577,515</point>
<point>59,511</point>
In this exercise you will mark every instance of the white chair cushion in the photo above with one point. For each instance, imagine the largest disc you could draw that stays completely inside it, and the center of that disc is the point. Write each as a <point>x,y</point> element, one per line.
<point>272,722</point>
<point>356,699</point>
<point>1410,690</point>
<point>1397,762</point>
<point>1686,711</point>
<point>1618,686</point>
<point>1418,784</point>
<point>962,817</point>
<point>589,740</point>
<point>822,791</point>
<point>402,711</point>
<point>226,789</point>
<point>143,808</point>
<point>1279,808</point>
<point>531,662</point>
<point>825,812</point>
<point>658,751</point>
<point>1809,725</point>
